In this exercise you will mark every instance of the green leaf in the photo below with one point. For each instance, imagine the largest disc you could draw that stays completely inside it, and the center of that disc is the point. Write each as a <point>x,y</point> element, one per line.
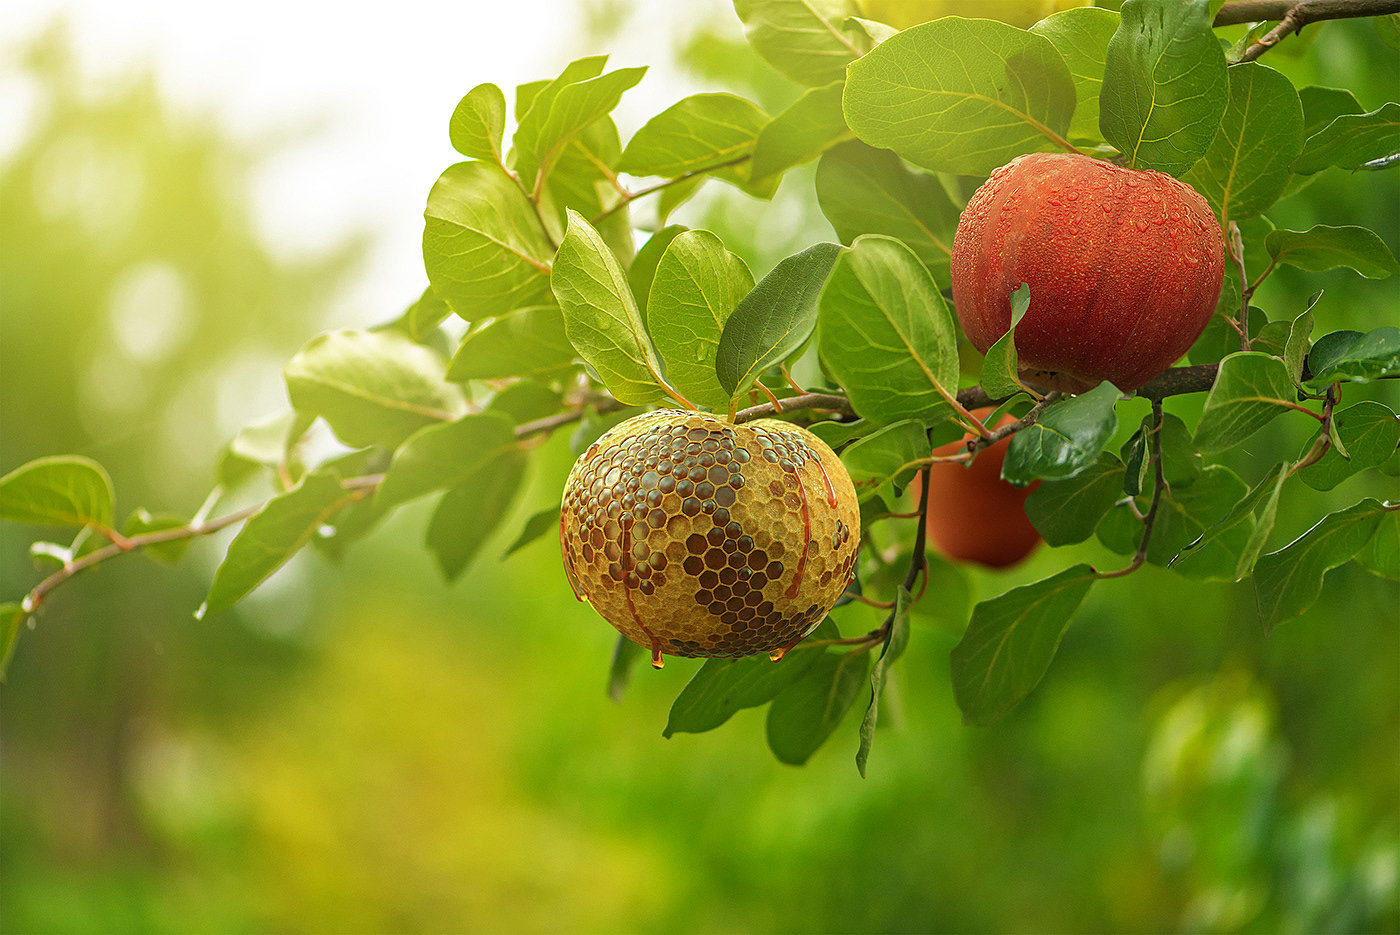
<point>420,320</point>
<point>896,640</point>
<point>582,179</point>
<point>601,318</point>
<point>722,687</point>
<point>1351,140</point>
<point>483,246</point>
<point>1368,430</point>
<point>961,95</point>
<point>525,401</point>
<point>807,128</point>
<point>1181,462</point>
<point>1225,549</point>
<point>696,287</point>
<point>1081,36</point>
<point>1066,511</point>
<point>1250,390</point>
<point>371,387</point>
<point>699,133</point>
<point>1000,367</point>
<point>800,38</point>
<point>1245,168</point>
<point>1381,555</point>
<point>559,112</point>
<point>625,656</point>
<point>863,190</point>
<point>61,490</point>
<point>774,319</point>
<point>1353,356</point>
<point>892,454</point>
<point>1321,248</point>
<point>1065,440</point>
<point>469,513</point>
<point>1323,105</point>
<point>443,456</point>
<point>887,335</point>
<point>1010,641</point>
<point>12,617</point>
<point>1289,581</point>
<point>807,711</point>
<point>536,526</point>
<point>273,535</point>
<point>140,522</point>
<point>1184,514</point>
<point>643,269</point>
<point>1297,344</point>
<point>266,442</point>
<point>1165,85</point>
<point>479,123</point>
<point>529,342</point>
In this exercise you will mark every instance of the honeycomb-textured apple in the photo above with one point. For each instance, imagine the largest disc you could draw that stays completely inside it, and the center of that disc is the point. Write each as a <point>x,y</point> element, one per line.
<point>696,537</point>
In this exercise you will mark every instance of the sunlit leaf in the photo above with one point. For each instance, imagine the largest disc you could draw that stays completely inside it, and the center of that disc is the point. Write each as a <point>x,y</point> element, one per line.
<point>1081,36</point>
<point>643,267</point>
<point>701,132</point>
<point>1010,641</point>
<point>526,343</point>
<point>479,122</point>
<point>808,127</point>
<point>961,95</point>
<point>562,110</point>
<point>63,490</point>
<point>443,456</point>
<point>887,335</point>
<point>802,39</point>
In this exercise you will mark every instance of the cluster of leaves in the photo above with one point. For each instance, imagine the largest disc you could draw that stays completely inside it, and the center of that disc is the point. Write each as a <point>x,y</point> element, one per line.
<point>574,321</point>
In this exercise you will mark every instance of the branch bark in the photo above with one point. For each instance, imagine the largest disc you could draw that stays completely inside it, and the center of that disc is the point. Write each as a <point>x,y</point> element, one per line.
<point>1294,15</point>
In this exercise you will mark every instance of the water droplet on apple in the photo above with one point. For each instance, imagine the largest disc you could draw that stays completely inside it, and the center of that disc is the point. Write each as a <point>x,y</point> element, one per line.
<point>1142,225</point>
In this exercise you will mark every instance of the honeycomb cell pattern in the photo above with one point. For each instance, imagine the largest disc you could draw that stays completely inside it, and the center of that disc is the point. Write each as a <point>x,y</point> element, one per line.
<point>696,537</point>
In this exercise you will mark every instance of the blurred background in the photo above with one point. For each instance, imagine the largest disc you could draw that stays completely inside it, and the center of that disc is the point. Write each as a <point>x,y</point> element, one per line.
<point>186,198</point>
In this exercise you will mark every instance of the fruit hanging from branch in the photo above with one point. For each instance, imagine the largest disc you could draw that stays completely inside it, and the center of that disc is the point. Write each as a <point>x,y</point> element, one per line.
<point>1124,267</point>
<point>697,537</point>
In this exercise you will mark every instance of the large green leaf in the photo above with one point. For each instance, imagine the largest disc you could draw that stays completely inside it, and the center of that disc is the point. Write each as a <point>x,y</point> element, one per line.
<point>863,190</point>
<point>1245,169</point>
<point>483,246</point>
<point>698,133</point>
<point>527,342</point>
<point>1289,581</point>
<point>371,387</point>
<point>1323,105</point>
<point>775,319</point>
<point>722,687</point>
<point>1352,139</point>
<point>643,267</point>
<point>896,640</point>
<point>1370,433</point>
<point>1066,511</point>
<point>803,39</point>
<point>1354,356</point>
<point>890,455</point>
<point>808,127</point>
<point>470,512</point>
<point>582,179</point>
<point>600,316</point>
<point>805,713</point>
<point>561,110</point>
<point>1065,440</point>
<point>696,287</point>
<point>1164,86</point>
<point>443,456</point>
<point>1381,555</point>
<point>1081,36</point>
<point>1250,389</point>
<point>63,490</point>
<point>478,123</point>
<point>887,336</point>
<point>961,95</point>
<point>1010,641</point>
<point>273,535</point>
<point>1321,248</point>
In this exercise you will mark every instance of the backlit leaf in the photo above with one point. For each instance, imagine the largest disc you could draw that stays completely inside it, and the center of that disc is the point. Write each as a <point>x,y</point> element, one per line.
<point>528,342</point>
<point>808,127</point>
<point>562,110</point>
<point>1081,36</point>
<point>443,456</point>
<point>63,490</point>
<point>478,123</point>
<point>701,132</point>
<point>802,39</point>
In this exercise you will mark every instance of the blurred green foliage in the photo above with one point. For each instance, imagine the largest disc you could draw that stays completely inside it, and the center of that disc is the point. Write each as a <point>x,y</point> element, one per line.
<point>364,749</point>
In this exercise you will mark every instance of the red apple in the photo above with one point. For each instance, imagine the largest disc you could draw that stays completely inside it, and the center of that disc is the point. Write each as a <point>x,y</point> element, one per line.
<point>975,516</point>
<point>1124,268</point>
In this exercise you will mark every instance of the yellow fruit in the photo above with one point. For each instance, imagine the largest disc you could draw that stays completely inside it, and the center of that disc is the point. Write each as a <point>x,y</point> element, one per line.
<point>697,537</point>
<point>902,14</point>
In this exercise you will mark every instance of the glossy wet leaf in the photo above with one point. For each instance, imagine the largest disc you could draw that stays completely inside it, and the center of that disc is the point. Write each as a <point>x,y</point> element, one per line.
<point>1165,85</point>
<point>1065,440</point>
<point>59,490</point>
<point>887,335</point>
<point>371,387</point>
<point>1010,641</point>
<point>601,319</point>
<point>1289,581</point>
<point>775,319</point>
<point>961,95</point>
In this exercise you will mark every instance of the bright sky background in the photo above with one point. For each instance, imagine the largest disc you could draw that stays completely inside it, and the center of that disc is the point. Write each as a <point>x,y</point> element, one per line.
<point>378,83</point>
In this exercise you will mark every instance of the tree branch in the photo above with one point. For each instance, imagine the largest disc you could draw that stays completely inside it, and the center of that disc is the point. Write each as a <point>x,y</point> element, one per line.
<point>1294,15</point>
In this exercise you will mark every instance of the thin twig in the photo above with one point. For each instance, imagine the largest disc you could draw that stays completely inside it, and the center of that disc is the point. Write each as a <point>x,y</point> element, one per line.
<point>1294,15</point>
<point>1159,486</point>
<point>629,197</point>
